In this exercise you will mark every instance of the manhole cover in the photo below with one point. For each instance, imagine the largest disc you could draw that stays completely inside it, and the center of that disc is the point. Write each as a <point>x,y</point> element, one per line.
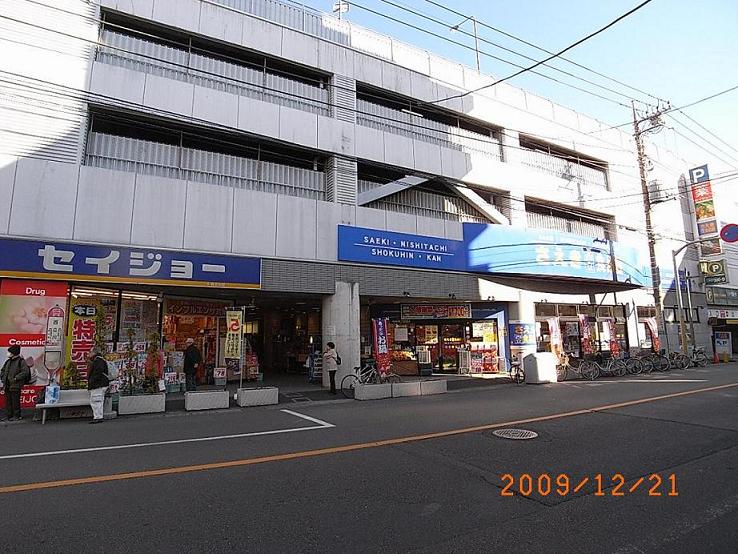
<point>515,434</point>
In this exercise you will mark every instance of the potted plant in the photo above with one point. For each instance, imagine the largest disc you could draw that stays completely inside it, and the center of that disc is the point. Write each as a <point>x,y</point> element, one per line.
<point>140,393</point>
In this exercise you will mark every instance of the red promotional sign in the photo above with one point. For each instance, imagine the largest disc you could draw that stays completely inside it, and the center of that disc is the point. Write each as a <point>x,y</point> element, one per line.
<point>435,311</point>
<point>702,192</point>
<point>382,344</point>
<point>586,334</point>
<point>29,393</point>
<point>614,344</point>
<point>653,328</point>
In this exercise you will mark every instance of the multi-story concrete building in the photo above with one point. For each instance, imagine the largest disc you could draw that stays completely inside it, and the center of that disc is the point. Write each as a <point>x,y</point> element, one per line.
<point>167,158</point>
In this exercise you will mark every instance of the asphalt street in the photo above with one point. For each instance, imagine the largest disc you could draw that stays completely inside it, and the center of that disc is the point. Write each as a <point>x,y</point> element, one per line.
<point>415,474</point>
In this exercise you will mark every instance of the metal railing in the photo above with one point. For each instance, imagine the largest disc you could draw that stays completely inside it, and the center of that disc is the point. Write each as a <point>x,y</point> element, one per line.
<point>177,162</point>
<point>555,223</point>
<point>413,126</point>
<point>191,67</point>
<point>567,169</point>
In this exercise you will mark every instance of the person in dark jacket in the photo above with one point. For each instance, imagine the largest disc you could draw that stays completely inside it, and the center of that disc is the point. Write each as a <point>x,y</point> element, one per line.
<point>14,374</point>
<point>192,360</point>
<point>97,383</point>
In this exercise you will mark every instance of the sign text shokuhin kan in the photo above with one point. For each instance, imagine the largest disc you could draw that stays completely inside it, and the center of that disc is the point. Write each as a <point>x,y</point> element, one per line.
<point>498,249</point>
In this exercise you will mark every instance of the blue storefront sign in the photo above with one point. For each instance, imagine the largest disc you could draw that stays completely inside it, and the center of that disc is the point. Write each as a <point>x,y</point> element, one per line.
<point>117,264</point>
<point>522,334</point>
<point>498,249</point>
<point>357,244</point>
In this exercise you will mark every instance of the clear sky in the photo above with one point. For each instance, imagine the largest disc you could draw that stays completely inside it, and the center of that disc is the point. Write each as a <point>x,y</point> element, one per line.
<point>678,50</point>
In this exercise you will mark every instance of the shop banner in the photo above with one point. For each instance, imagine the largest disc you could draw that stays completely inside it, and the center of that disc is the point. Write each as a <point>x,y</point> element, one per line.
<point>614,344</point>
<point>382,344</point>
<point>705,216</point>
<point>723,345</point>
<point>499,249</point>
<point>81,332</point>
<point>653,328</point>
<point>32,317</point>
<point>554,332</point>
<point>435,311</point>
<point>586,334</point>
<point>118,264</point>
<point>522,334</point>
<point>234,333</point>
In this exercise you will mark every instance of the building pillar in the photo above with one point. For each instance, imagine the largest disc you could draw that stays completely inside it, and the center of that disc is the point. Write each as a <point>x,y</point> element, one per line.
<point>340,321</point>
<point>522,313</point>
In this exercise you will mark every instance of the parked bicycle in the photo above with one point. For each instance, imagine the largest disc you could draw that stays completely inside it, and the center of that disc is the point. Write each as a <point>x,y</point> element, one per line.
<point>697,358</point>
<point>514,368</point>
<point>366,375</point>
<point>594,368</point>
<point>570,366</point>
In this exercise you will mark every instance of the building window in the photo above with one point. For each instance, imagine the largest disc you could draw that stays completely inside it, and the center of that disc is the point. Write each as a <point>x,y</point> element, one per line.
<point>670,315</point>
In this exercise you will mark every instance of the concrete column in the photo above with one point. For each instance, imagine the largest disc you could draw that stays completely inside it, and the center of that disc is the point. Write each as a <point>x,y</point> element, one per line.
<point>511,146</point>
<point>524,312</point>
<point>340,319</point>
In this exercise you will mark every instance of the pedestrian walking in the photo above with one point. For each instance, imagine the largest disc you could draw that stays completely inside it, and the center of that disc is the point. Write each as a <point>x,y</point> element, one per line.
<point>192,360</point>
<point>330,364</point>
<point>97,383</point>
<point>14,374</point>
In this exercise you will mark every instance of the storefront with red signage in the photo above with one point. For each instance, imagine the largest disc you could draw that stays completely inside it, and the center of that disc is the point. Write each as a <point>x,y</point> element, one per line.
<point>426,338</point>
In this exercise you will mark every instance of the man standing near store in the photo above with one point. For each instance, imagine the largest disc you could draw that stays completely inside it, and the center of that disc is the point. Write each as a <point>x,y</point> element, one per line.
<point>192,360</point>
<point>330,364</point>
<point>97,383</point>
<point>14,374</point>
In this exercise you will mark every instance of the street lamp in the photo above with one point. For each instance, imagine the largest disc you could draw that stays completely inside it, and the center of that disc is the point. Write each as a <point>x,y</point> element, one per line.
<point>476,38</point>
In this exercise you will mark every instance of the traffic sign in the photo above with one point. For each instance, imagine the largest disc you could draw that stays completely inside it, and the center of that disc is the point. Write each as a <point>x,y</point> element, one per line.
<point>729,233</point>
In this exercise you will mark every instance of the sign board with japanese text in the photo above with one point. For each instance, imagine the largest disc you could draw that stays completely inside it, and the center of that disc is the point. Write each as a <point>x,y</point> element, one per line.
<point>120,264</point>
<point>705,217</point>
<point>32,317</point>
<point>435,311</point>
<point>382,344</point>
<point>487,248</point>
<point>713,272</point>
<point>521,333</point>
<point>234,334</point>
<point>81,332</point>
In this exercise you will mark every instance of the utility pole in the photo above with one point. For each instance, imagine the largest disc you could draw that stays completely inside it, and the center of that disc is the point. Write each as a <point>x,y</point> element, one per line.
<point>651,237</point>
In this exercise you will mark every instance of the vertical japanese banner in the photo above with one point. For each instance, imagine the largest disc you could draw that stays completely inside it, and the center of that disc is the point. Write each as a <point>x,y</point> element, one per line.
<point>586,334</point>
<point>653,328</point>
<point>30,312</point>
<point>81,332</point>
<point>234,334</point>
<point>704,210</point>
<point>554,331</point>
<point>614,343</point>
<point>382,344</point>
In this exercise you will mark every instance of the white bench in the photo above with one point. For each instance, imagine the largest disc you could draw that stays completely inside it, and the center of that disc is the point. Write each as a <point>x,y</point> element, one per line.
<point>67,399</point>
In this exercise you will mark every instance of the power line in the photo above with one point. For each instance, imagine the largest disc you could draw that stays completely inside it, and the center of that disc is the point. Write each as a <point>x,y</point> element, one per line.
<point>447,25</point>
<point>711,153</point>
<point>467,47</point>
<point>708,131</point>
<point>537,47</point>
<point>557,54</point>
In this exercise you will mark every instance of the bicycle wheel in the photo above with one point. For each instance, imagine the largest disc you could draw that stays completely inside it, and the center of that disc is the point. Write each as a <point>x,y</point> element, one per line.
<point>589,370</point>
<point>392,378</point>
<point>647,365</point>
<point>700,359</point>
<point>682,361</point>
<point>348,384</point>
<point>661,363</point>
<point>520,376</point>
<point>634,366</point>
<point>618,368</point>
<point>561,372</point>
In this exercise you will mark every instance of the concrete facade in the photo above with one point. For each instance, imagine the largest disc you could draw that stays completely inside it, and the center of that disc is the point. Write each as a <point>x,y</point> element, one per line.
<point>60,197</point>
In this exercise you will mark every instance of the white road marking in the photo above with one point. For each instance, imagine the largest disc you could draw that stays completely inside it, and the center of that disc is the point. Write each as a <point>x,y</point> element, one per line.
<point>313,419</point>
<point>321,425</point>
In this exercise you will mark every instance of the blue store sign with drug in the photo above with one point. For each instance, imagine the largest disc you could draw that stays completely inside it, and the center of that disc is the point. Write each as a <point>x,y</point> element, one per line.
<point>119,264</point>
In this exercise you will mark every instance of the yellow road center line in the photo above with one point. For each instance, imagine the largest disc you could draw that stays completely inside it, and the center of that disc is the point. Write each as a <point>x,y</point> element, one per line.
<point>335,449</point>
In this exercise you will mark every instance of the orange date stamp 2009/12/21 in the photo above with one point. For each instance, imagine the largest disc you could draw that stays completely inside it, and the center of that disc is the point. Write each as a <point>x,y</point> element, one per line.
<point>604,485</point>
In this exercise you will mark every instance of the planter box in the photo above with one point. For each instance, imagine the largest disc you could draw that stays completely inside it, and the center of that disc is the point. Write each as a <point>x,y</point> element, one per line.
<point>206,400</point>
<point>141,404</point>
<point>258,397</point>
<point>406,389</point>
<point>432,387</point>
<point>373,392</point>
